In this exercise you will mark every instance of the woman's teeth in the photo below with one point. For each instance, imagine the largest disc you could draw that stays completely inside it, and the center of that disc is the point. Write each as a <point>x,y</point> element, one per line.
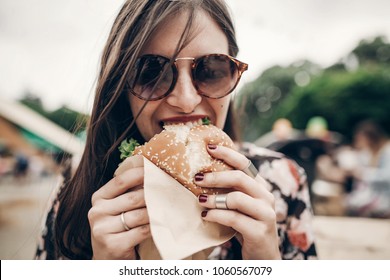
<point>189,124</point>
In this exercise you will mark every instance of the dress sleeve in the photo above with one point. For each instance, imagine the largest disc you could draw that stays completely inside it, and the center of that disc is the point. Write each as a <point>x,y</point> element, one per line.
<point>288,183</point>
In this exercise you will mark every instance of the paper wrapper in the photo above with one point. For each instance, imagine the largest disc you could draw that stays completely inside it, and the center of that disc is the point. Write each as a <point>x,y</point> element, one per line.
<point>177,228</point>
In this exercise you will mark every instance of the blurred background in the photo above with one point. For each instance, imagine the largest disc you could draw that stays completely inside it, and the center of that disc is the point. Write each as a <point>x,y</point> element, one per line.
<point>317,89</point>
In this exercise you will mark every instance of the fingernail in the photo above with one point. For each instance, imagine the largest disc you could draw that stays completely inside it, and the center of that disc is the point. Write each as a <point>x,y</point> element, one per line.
<point>204,213</point>
<point>212,146</point>
<point>203,198</point>
<point>199,177</point>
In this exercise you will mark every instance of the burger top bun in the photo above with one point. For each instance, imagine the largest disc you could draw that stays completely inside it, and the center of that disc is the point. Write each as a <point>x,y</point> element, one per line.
<point>180,150</point>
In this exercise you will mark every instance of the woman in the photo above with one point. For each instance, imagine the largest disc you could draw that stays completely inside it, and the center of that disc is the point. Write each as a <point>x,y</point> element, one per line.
<point>150,37</point>
<point>370,196</point>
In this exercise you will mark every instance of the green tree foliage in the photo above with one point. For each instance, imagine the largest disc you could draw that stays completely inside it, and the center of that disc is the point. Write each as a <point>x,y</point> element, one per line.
<point>342,98</point>
<point>375,51</point>
<point>258,100</point>
<point>33,102</point>
<point>69,119</point>
<point>355,88</point>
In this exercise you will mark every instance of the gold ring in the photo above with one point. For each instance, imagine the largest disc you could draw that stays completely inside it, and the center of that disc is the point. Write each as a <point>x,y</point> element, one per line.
<point>123,221</point>
<point>221,201</point>
<point>250,170</point>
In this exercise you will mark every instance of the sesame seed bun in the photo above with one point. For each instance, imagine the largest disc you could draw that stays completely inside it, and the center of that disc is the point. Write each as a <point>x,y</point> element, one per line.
<point>180,150</point>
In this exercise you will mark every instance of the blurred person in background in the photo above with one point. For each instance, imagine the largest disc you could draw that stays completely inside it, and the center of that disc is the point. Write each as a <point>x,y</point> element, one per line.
<point>282,131</point>
<point>333,179</point>
<point>359,174</point>
<point>371,192</point>
<point>337,166</point>
<point>21,167</point>
<point>317,127</point>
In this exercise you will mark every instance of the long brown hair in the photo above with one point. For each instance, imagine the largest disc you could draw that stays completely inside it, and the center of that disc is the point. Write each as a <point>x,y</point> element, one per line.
<point>111,118</point>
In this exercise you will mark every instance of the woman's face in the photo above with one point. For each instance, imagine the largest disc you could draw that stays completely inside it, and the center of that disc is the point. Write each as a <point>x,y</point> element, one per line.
<point>183,104</point>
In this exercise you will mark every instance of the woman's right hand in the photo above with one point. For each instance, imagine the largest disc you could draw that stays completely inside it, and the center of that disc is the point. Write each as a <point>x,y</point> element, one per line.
<point>123,193</point>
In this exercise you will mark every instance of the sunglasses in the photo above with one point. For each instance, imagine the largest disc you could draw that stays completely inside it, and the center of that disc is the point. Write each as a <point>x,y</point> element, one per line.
<point>213,76</point>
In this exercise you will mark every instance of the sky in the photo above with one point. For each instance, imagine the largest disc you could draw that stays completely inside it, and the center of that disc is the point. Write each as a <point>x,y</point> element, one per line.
<point>52,48</point>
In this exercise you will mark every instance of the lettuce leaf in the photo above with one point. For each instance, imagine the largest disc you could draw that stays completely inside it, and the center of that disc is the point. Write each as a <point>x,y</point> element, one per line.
<point>127,147</point>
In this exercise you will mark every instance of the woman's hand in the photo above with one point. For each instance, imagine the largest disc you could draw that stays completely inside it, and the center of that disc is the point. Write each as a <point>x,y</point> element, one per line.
<point>124,193</point>
<point>251,206</point>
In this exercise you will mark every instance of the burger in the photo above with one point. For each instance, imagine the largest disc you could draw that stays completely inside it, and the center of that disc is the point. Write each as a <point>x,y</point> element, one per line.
<point>180,150</point>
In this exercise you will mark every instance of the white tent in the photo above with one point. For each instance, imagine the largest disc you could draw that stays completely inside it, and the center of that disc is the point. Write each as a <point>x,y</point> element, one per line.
<point>30,120</point>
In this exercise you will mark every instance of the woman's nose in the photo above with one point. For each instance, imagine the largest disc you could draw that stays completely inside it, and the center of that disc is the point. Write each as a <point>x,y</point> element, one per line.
<point>184,96</point>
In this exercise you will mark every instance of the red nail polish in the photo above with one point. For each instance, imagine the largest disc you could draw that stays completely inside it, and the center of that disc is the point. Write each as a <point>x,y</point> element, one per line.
<point>202,198</point>
<point>212,146</point>
<point>204,213</point>
<point>199,177</point>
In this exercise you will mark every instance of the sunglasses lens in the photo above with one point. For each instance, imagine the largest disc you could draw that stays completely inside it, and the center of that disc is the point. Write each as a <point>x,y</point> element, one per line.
<point>216,75</point>
<point>153,77</point>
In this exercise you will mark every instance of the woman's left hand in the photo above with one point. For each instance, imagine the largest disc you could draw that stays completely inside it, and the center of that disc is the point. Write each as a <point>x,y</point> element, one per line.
<point>251,209</point>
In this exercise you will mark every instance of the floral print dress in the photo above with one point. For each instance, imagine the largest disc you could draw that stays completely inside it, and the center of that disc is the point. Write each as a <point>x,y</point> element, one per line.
<point>286,180</point>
